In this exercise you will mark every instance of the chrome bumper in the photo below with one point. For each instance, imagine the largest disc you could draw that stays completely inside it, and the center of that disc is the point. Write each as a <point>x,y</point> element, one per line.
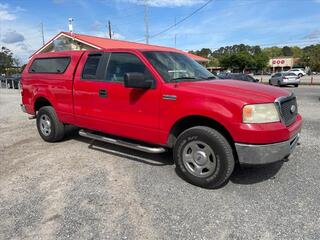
<point>250,154</point>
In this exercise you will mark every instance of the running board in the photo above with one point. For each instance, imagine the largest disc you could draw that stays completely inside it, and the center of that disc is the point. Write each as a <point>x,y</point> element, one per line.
<point>122,143</point>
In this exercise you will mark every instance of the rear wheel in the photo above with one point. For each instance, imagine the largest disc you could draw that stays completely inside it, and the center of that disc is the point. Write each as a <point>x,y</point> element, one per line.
<point>203,157</point>
<point>296,85</point>
<point>300,75</point>
<point>48,124</point>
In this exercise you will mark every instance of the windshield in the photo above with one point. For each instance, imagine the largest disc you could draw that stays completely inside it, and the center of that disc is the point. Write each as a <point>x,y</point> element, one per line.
<point>177,67</point>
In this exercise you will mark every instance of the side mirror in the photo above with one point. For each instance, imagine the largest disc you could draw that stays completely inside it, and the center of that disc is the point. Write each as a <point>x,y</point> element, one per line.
<point>137,80</point>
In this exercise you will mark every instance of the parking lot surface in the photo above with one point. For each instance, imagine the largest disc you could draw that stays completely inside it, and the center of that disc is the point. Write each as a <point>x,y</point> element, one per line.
<point>77,189</point>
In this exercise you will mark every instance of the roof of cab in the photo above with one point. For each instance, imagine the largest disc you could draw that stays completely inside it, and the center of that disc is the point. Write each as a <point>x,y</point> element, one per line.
<point>105,43</point>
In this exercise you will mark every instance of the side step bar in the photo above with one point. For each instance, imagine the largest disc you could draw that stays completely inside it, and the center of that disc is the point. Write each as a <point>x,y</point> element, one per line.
<point>122,143</point>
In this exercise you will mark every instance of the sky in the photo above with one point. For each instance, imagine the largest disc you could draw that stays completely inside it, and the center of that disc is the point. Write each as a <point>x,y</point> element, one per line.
<point>219,23</point>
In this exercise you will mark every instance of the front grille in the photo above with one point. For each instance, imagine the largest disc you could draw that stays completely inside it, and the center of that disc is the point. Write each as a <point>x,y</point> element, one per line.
<point>288,109</point>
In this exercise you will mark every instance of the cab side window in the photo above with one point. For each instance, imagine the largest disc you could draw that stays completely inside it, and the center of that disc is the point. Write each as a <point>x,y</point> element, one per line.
<point>90,68</point>
<point>122,63</point>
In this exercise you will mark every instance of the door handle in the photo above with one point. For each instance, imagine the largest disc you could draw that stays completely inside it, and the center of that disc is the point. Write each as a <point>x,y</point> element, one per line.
<point>103,93</point>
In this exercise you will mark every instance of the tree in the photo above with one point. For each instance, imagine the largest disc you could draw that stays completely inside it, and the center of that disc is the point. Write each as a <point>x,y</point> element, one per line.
<point>286,51</point>
<point>261,60</point>
<point>204,52</point>
<point>240,61</point>
<point>273,52</point>
<point>311,57</point>
<point>297,52</point>
<point>6,59</point>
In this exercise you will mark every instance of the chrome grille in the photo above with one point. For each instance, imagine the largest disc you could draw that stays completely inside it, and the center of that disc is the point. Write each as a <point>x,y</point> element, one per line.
<point>288,109</point>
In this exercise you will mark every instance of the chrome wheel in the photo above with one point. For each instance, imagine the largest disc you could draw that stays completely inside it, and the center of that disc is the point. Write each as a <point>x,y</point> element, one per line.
<point>45,125</point>
<point>199,159</point>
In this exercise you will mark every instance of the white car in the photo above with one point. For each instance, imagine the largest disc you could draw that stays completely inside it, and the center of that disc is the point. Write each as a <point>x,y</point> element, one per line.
<point>297,71</point>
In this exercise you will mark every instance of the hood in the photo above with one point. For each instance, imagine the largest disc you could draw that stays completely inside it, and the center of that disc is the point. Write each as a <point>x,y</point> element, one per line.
<point>247,92</point>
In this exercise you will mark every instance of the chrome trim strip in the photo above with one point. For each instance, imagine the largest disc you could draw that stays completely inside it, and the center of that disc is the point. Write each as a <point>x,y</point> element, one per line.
<point>122,143</point>
<point>169,97</point>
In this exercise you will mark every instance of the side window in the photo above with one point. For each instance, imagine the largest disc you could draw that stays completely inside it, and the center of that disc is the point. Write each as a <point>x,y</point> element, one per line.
<point>49,65</point>
<point>122,63</point>
<point>90,68</point>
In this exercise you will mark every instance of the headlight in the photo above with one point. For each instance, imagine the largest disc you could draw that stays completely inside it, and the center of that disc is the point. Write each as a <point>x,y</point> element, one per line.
<point>260,113</point>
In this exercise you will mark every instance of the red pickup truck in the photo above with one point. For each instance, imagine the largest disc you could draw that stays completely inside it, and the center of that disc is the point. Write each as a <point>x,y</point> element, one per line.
<point>153,100</point>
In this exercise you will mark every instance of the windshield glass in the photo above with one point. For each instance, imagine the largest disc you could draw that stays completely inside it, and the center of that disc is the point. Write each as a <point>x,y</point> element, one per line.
<point>177,67</point>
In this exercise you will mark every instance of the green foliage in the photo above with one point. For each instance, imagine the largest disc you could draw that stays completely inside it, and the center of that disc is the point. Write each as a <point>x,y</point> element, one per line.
<point>286,51</point>
<point>272,52</point>
<point>7,60</point>
<point>311,57</point>
<point>261,60</point>
<point>241,57</point>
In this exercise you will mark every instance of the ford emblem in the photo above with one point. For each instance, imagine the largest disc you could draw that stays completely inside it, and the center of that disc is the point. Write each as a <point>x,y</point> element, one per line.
<point>292,108</point>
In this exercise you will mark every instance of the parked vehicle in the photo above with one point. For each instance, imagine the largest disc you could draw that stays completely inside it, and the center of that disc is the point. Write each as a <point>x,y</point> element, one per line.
<point>284,79</point>
<point>298,72</point>
<point>153,100</point>
<point>237,76</point>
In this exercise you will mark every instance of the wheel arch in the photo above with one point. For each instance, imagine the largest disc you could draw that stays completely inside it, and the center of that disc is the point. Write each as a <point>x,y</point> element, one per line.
<point>197,120</point>
<point>40,102</point>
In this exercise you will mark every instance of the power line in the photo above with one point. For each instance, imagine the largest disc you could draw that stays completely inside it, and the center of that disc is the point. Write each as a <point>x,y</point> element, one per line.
<point>181,21</point>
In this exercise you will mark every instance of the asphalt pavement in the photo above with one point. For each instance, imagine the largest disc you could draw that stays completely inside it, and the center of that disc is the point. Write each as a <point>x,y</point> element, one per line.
<point>78,189</point>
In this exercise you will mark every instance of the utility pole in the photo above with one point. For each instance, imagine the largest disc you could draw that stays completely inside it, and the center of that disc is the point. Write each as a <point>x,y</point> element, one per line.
<point>146,21</point>
<point>110,31</point>
<point>42,33</point>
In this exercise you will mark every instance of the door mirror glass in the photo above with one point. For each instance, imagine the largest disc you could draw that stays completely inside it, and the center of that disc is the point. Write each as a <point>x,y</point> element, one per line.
<point>137,80</point>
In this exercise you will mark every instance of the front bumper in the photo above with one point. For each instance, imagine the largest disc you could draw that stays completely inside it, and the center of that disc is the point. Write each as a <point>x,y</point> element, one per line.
<point>251,154</point>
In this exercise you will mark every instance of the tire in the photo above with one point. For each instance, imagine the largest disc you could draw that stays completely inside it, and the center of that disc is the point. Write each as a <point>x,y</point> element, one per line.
<point>49,126</point>
<point>300,75</point>
<point>207,149</point>
<point>270,82</point>
<point>296,85</point>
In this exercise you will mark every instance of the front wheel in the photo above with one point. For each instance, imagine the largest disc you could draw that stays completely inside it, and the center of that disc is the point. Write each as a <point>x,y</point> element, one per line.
<point>203,157</point>
<point>48,124</point>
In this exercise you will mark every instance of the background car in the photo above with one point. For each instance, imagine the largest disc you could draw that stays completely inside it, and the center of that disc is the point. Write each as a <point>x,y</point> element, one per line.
<point>237,76</point>
<point>298,72</point>
<point>284,79</point>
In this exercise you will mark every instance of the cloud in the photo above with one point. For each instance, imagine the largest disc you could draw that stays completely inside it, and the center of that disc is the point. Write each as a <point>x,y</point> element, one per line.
<point>5,15</point>
<point>166,3</point>
<point>313,35</point>
<point>12,37</point>
<point>118,36</point>
<point>97,25</point>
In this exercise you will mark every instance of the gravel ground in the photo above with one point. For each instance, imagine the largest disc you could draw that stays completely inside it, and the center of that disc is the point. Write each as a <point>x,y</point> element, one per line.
<point>76,189</point>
